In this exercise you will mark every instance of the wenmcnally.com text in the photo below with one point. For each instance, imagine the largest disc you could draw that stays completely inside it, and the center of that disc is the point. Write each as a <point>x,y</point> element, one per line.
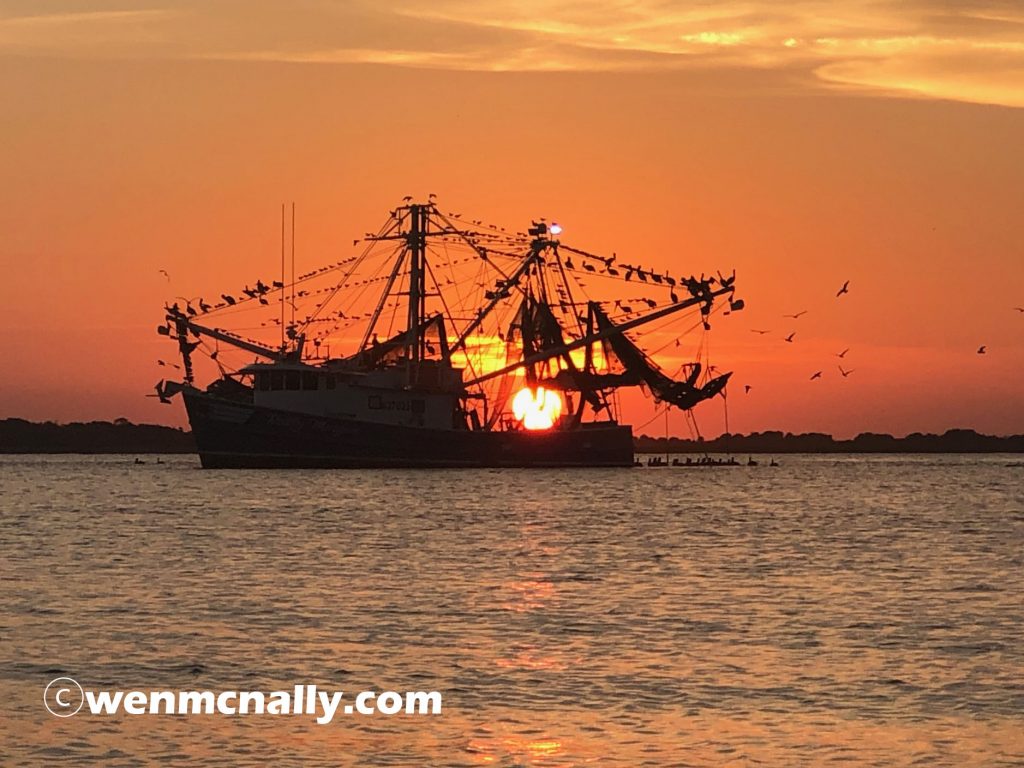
<point>64,697</point>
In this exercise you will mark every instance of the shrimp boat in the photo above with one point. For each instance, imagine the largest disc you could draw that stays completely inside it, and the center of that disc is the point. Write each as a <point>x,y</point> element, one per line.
<point>442,343</point>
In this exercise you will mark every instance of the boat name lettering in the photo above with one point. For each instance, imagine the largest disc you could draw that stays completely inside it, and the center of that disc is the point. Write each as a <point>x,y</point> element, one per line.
<point>378,403</point>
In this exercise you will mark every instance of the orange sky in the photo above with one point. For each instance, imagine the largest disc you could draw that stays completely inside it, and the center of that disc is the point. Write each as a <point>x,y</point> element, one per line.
<point>804,146</point>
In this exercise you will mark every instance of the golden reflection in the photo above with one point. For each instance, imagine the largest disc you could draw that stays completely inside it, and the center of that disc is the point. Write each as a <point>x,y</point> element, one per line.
<point>529,594</point>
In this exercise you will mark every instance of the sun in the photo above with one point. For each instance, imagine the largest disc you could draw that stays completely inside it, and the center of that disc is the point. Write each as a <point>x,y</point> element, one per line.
<point>537,409</point>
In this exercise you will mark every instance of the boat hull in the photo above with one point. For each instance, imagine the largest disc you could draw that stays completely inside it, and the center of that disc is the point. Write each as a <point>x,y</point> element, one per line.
<point>236,435</point>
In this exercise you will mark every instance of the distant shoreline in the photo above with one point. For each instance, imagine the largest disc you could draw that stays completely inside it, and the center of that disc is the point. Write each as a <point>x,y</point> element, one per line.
<point>951,441</point>
<point>122,436</point>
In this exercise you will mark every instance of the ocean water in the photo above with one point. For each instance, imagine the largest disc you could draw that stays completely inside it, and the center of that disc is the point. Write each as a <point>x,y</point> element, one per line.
<point>833,610</point>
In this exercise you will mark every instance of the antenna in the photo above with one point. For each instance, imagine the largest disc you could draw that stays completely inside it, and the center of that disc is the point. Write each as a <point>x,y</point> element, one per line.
<point>282,278</point>
<point>293,264</point>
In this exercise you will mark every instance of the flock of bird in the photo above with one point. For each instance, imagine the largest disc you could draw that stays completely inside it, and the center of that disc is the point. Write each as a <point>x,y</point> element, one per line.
<point>789,339</point>
<point>843,290</point>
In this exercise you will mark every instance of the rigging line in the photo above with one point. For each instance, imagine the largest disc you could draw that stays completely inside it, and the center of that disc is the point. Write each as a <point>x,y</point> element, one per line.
<point>395,307</point>
<point>657,413</point>
<point>386,227</point>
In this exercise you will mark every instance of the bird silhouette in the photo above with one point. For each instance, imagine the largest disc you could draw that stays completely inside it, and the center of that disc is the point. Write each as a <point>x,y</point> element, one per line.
<point>845,373</point>
<point>746,389</point>
<point>589,267</point>
<point>759,331</point>
<point>843,353</point>
<point>1019,309</point>
<point>797,315</point>
<point>790,337</point>
<point>229,299</point>
<point>816,376</point>
<point>675,298</point>
<point>844,289</point>
<point>569,264</point>
<point>981,350</point>
<point>164,273</point>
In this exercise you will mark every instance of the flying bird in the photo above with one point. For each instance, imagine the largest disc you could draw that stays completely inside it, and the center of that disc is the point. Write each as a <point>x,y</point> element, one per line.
<point>746,388</point>
<point>843,353</point>
<point>790,337</point>
<point>845,373</point>
<point>759,331</point>
<point>981,350</point>
<point>816,376</point>
<point>797,315</point>
<point>164,273</point>
<point>844,289</point>
<point>1019,309</point>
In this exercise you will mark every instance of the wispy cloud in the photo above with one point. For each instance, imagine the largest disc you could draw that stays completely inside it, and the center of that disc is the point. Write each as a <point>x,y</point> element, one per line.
<point>966,50</point>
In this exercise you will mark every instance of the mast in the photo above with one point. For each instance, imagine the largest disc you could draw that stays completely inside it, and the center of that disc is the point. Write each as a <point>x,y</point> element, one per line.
<point>417,280</point>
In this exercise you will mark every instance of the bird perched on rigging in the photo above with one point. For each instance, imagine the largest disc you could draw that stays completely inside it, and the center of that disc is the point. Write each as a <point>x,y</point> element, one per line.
<point>844,289</point>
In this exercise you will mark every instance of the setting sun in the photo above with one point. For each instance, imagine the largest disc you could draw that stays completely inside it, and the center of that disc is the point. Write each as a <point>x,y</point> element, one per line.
<point>538,409</point>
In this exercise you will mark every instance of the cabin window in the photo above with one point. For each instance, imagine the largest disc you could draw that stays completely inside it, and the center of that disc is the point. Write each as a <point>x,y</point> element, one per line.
<point>263,381</point>
<point>292,380</point>
<point>309,381</point>
<point>276,380</point>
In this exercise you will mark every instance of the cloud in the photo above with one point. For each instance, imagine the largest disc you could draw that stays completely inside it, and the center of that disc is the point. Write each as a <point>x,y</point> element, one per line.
<point>965,50</point>
<point>80,32</point>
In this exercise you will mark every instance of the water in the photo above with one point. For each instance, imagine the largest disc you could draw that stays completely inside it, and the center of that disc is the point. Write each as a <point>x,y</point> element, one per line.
<point>833,610</point>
